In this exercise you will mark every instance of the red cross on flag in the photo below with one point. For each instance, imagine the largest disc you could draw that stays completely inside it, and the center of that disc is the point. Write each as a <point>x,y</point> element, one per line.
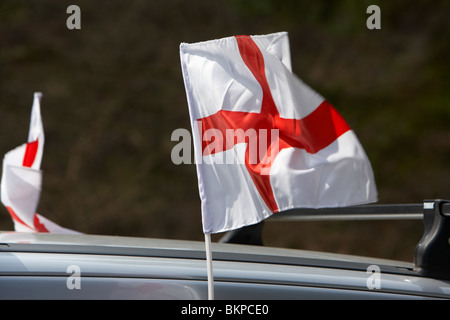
<point>264,141</point>
<point>22,179</point>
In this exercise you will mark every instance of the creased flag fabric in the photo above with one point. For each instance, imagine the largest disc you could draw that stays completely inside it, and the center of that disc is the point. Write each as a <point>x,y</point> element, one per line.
<point>264,141</point>
<point>22,179</point>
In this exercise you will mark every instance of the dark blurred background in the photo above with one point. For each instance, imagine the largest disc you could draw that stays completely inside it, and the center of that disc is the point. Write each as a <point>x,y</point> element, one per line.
<point>113,94</point>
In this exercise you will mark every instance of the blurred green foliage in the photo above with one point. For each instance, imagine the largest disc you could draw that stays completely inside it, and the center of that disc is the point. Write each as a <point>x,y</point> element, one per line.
<point>113,94</point>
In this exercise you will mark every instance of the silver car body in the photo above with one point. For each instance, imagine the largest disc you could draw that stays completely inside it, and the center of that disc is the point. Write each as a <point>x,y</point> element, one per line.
<point>50,266</point>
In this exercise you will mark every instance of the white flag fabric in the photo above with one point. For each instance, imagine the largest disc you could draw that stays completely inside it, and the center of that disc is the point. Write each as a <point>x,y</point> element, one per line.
<point>22,179</point>
<point>264,141</point>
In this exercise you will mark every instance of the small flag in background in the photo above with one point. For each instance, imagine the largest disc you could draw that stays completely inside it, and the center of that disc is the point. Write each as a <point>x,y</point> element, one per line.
<point>22,179</point>
<point>264,141</point>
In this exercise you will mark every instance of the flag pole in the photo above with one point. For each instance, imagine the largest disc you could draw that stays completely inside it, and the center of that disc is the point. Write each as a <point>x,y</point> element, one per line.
<point>209,266</point>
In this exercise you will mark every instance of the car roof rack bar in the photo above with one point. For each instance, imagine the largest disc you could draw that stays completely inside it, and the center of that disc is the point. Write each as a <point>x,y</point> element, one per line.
<point>361,212</point>
<point>252,234</point>
<point>431,255</point>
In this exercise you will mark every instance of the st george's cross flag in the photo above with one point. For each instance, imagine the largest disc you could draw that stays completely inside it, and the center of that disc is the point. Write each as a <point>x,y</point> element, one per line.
<point>264,141</point>
<point>22,179</point>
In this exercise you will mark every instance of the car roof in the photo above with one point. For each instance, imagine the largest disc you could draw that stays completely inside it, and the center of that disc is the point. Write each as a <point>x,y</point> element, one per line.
<point>137,246</point>
<point>240,271</point>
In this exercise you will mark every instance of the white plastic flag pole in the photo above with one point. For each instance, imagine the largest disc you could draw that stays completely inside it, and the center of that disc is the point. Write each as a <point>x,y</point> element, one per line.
<point>209,268</point>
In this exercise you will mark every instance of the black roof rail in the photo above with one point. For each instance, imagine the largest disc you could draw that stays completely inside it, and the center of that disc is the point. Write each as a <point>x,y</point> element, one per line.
<point>431,256</point>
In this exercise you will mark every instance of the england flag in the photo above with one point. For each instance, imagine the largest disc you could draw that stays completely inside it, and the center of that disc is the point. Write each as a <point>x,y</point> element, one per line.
<point>22,179</point>
<point>264,141</point>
